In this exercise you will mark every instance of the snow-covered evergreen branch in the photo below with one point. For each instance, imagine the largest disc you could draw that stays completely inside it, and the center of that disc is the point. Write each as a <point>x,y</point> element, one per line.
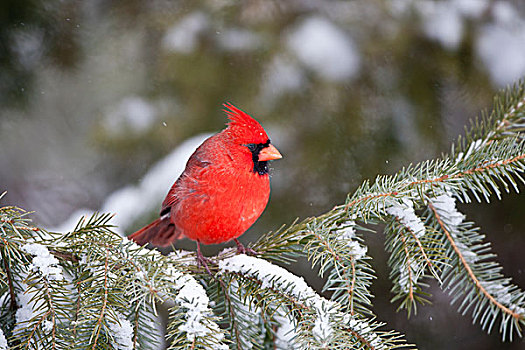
<point>90,288</point>
<point>473,277</point>
<point>319,323</point>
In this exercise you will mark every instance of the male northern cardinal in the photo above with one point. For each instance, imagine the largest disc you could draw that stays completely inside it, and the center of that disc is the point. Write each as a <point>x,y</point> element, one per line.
<point>223,190</point>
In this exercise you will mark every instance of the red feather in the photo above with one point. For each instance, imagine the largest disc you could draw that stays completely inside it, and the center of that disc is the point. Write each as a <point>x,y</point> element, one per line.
<point>219,195</point>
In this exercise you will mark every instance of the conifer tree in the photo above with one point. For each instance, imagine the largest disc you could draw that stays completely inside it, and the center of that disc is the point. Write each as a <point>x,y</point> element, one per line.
<point>92,289</point>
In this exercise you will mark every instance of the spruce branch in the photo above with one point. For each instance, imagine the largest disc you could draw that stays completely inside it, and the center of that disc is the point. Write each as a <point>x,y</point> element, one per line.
<point>331,327</point>
<point>491,157</point>
<point>477,278</point>
<point>337,248</point>
<point>110,288</point>
<point>244,312</point>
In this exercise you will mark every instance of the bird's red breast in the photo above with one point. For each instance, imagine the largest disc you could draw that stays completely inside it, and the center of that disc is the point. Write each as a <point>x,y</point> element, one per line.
<point>224,188</point>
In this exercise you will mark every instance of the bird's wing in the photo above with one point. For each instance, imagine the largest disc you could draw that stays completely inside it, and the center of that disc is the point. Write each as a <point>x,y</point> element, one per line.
<point>189,181</point>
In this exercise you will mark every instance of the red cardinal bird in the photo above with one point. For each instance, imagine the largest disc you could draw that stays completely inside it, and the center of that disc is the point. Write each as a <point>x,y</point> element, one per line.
<point>223,190</point>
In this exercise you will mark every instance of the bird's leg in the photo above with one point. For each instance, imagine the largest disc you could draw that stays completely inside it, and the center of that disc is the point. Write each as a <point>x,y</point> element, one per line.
<point>241,249</point>
<point>202,260</point>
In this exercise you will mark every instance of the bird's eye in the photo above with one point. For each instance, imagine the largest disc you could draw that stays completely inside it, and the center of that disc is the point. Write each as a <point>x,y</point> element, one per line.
<point>252,147</point>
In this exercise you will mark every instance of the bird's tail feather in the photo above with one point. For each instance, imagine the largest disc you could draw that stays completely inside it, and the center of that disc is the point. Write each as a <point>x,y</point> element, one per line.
<point>160,233</point>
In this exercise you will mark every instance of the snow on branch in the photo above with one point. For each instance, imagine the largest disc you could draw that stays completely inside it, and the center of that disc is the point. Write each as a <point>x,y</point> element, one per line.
<point>404,211</point>
<point>3,341</point>
<point>122,332</point>
<point>340,253</point>
<point>192,297</point>
<point>277,278</point>
<point>43,261</point>
<point>484,281</point>
<point>329,325</point>
<point>117,282</point>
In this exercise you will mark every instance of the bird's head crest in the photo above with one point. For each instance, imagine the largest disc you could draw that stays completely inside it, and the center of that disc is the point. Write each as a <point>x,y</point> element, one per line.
<point>242,126</point>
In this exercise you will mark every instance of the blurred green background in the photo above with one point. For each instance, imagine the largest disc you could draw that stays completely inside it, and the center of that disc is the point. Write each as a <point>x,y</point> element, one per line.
<point>94,93</point>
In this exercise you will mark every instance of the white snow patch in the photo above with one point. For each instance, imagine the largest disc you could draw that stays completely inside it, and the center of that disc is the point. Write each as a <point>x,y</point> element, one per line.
<point>474,146</point>
<point>445,206</point>
<point>43,261</point>
<point>183,36</point>
<point>347,235</point>
<point>133,201</point>
<point>192,297</point>
<point>26,306</point>
<point>324,48</point>
<point>347,232</point>
<point>363,328</point>
<point>183,257</point>
<point>404,211</point>
<point>357,250</point>
<point>236,39</point>
<point>248,312</point>
<point>122,332</point>
<point>503,293</point>
<point>270,276</point>
<point>47,326</point>
<point>285,334</point>
<point>500,291</point>
<point>133,114</point>
<point>517,309</point>
<point>322,330</point>
<point>466,252</point>
<point>3,341</point>
<point>276,277</point>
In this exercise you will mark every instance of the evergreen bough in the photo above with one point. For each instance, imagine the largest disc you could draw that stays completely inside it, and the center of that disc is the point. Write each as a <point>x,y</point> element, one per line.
<point>92,289</point>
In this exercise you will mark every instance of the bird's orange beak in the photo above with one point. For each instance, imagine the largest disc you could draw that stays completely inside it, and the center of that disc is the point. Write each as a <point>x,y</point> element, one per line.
<point>269,153</point>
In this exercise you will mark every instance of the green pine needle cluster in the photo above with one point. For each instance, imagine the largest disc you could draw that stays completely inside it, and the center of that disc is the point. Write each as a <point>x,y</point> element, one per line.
<point>92,289</point>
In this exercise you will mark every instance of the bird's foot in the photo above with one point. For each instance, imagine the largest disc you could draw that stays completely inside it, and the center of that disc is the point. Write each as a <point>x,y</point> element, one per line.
<point>241,249</point>
<point>203,261</point>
